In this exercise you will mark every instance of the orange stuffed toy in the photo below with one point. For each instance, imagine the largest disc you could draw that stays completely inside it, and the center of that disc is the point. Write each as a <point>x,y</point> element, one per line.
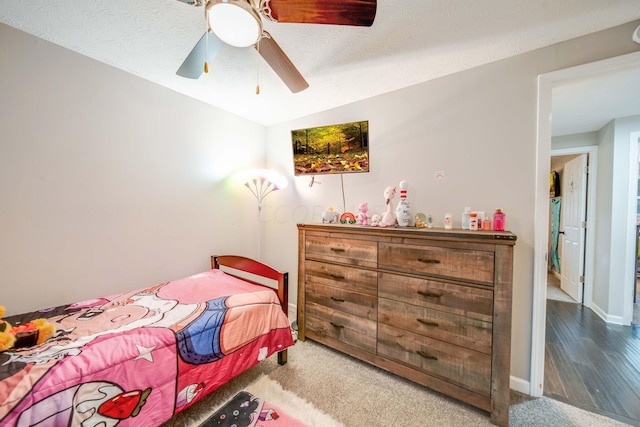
<point>31,333</point>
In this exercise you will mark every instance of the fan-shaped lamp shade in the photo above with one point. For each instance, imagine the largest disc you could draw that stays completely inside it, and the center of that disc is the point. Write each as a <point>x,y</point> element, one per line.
<point>235,22</point>
<point>261,182</point>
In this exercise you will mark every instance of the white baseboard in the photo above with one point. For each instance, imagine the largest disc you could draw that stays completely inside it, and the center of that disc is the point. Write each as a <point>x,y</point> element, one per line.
<point>616,320</point>
<point>293,312</point>
<point>518,384</point>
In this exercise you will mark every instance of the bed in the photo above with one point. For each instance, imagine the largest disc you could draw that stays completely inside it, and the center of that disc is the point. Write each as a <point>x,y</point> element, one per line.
<point>138,358</point>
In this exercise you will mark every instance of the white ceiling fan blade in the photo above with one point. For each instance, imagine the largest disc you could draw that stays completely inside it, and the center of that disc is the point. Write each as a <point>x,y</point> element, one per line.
<point>193,65</point>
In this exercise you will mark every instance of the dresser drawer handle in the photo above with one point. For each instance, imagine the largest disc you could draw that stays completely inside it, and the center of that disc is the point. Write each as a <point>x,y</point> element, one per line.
<point>337,276</point>
<point>335,325</point>
<point>427,322</point>
<point>337,249</point>
<point>337,299</point>
<point>429,261</point>
<point>429,294</point>
<point>426,355</point>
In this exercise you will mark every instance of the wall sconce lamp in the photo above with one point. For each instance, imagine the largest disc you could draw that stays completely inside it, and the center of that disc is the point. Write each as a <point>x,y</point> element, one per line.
<point>262,182</point>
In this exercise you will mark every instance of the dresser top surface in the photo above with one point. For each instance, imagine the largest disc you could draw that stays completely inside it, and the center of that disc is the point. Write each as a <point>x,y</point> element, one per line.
<point>504,237</point>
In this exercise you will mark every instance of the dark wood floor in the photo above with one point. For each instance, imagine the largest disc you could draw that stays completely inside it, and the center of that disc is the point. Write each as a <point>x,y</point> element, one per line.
<point>591,364</point>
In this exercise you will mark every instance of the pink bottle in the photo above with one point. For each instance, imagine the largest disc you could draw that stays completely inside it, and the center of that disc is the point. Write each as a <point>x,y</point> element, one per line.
<point>498,220</point>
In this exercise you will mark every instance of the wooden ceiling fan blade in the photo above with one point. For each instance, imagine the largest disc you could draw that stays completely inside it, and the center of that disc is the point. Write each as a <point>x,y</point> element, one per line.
<point>337,12</point>
<point>281,64</point>
<point>193,65</point>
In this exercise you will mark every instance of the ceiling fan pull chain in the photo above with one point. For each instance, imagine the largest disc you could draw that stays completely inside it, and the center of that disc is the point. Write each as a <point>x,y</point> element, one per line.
<point>206,53</point>
<point>206,41</point>
<point>258,70</point>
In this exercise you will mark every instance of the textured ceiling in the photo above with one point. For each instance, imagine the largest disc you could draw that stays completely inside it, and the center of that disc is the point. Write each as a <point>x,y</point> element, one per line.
<point>411,41</point>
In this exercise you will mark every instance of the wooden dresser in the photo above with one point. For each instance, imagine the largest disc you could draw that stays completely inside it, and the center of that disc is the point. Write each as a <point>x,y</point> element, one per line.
<point>430,305</point>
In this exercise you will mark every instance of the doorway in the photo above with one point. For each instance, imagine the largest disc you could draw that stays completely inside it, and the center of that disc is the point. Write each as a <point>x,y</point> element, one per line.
<point>568,209</point>
<point>546,83</point>
<point>582,268</point>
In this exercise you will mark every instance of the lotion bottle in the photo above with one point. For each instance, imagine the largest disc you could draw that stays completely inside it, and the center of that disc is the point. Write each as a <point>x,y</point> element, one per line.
<point>498,220</point>
<point>465,218</point>
<point>448,221</point>
<point>473,221</point>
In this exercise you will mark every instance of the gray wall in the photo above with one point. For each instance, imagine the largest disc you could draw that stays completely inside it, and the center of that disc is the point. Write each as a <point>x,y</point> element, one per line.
<point>477,126</point>
<point>573,141</point>
<point>621,254</point>
<point>109,182</point>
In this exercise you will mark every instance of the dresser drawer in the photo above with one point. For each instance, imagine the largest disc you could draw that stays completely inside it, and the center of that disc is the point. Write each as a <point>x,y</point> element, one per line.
<point>467,368</point>
<point>452,328</point>
<point>340,276</point>
<point>324,322</point>
<point>355,303</point>
<point>468,301</point>
<point>472,265</point>
<point>363,253</point>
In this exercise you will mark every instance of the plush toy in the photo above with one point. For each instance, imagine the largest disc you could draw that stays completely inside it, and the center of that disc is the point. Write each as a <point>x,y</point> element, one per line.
<point>389,217</point>
<point>362,217</point>
<point>31,333</point>
<point>375,220</point>
<point>6,338</point>
<point>330,216</point>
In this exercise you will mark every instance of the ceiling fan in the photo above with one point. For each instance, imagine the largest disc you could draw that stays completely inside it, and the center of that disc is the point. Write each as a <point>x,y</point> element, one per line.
<point>239,23</point>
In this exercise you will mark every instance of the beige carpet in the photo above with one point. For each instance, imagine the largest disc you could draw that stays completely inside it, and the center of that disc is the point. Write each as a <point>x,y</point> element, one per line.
<point>360,395</point>
<point>554,292</point>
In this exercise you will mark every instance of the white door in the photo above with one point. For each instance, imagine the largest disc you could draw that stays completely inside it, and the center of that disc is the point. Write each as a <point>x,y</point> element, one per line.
<point>574,203</point>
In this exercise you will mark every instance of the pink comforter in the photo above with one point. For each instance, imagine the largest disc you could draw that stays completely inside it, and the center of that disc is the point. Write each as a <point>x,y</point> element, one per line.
<point>137,358</point>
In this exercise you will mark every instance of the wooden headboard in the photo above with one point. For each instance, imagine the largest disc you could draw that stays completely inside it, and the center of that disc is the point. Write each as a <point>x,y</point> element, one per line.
<point>257,268</point>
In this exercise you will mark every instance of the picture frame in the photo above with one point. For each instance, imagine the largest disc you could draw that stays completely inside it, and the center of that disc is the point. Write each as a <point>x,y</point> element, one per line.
<point>332,149</point>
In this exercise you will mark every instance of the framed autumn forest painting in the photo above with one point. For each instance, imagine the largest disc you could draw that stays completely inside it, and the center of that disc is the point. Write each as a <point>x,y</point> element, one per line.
<point>342,148</point>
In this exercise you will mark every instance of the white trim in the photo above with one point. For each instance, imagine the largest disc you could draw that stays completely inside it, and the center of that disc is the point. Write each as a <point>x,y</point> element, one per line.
<point>519,385</point>
<point>546,82</point>
<point>541,238</point>
<point>293,311</point>
<point>630,265</point>
<point>615,320</point>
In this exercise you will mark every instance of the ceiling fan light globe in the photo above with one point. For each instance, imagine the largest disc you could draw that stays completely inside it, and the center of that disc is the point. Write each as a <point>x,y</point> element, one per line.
<point>235,23</point>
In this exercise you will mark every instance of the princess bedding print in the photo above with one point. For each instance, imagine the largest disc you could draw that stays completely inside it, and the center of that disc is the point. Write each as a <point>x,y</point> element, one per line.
<point>137,358</point>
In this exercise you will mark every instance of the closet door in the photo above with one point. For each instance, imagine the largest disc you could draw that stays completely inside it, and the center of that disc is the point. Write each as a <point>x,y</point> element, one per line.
<point>574,208</point>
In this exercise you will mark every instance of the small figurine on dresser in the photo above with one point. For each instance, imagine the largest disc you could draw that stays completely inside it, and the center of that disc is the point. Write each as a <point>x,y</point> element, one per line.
<point>375,220</point>
<point>403,211</point>
<point>330,216</point>
<point>362,217</point>
<point>420,220</point>
<point>389,217</point>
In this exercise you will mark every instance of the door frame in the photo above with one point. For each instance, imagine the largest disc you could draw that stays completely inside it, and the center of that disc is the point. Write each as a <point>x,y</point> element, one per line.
<point>634,153</point>
<point>546,83</point>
